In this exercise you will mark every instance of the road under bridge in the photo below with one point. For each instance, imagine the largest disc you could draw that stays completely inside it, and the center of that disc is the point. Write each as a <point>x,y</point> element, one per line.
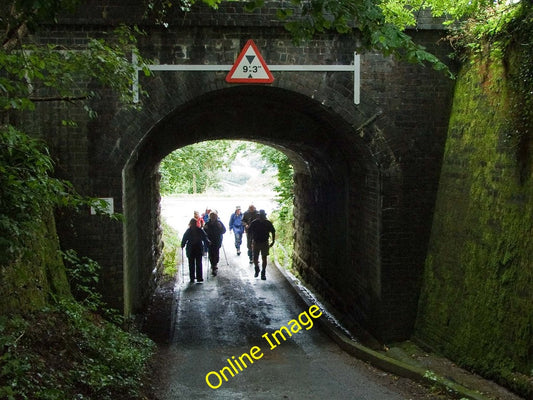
<point>217,321</point>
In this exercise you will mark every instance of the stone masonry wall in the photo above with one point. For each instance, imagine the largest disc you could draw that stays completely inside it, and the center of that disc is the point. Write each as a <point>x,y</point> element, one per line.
<point>366,186</point>
<point>477,297</point>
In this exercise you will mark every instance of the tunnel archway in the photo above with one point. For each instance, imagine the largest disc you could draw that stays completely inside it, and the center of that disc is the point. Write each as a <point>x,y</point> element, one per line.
<point>336,181</point>
<point>391,145</point>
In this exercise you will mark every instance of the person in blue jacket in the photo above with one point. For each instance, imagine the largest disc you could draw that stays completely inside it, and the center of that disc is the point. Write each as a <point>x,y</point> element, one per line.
<point>236,225</point>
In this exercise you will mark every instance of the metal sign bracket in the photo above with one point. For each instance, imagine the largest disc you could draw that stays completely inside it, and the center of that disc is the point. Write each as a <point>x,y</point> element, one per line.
<point>355,68</point>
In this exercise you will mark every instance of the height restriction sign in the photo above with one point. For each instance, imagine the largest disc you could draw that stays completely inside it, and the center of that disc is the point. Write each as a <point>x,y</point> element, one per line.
<point>249,67</point>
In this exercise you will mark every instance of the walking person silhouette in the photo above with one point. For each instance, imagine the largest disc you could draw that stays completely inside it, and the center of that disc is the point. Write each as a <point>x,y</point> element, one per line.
<point>215,229</point>
<point>260,231</point>
<point>194,240</point>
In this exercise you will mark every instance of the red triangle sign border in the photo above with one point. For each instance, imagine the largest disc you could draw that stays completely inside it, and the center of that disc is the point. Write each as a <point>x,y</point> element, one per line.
<point>250,79</point>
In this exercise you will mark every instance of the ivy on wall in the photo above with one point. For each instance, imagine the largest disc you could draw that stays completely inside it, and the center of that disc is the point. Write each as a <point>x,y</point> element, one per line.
<point>477,296</point>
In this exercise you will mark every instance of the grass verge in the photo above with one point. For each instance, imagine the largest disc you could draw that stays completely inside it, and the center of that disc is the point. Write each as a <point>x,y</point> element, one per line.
<point>69,352</point>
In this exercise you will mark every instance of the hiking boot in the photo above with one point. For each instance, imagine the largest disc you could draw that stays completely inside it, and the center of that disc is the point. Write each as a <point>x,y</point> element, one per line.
<point>256,272</point>
<point>263,277</point>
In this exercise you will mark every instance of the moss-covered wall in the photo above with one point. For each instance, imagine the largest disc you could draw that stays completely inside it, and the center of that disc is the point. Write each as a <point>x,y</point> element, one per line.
<point>476,304</point>
<point>28,283</point>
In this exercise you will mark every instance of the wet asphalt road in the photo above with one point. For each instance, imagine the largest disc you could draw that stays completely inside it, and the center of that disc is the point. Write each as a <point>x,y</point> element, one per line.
<point>227,316</point>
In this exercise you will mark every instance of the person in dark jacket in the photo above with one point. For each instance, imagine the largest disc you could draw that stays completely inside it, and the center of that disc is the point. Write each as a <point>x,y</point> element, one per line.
<point>236,225</point>
<point>214,229</point>
<point>248,217</point>
<point>260,231</point>
<point>194,240</point>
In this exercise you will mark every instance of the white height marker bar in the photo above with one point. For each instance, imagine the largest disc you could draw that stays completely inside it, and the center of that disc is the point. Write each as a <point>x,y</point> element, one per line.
<point>355,68</point>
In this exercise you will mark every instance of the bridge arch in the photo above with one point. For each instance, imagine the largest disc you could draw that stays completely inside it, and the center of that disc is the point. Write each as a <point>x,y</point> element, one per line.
<point>366,175</point>
<point>336,187</point>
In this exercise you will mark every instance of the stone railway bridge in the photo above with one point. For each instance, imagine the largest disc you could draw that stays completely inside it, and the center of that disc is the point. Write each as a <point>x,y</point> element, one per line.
<point>366,174</point>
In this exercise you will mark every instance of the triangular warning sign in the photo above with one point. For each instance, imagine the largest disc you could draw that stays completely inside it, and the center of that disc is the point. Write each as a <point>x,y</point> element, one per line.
<point>249,67</point>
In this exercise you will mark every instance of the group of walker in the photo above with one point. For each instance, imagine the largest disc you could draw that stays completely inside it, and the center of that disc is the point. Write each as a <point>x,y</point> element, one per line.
<point>205,234</point>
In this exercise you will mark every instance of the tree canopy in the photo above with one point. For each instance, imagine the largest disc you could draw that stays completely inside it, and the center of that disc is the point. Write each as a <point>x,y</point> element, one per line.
<point>194,169</point>
<point>381,25</point>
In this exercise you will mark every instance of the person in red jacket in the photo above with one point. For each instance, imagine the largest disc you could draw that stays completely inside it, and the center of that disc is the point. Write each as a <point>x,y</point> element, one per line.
<point>199,220</point>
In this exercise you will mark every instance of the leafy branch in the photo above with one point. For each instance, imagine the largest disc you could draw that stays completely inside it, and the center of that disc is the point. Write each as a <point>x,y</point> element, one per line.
<point>194,168</point>
<point>27,190</point>
<point>375,25</point>
<point>30,73</point>
<point>49,73</point>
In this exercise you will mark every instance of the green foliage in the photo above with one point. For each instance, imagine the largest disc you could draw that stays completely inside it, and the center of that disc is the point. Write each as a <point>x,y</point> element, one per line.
<point>32,73</point>
<point>489,26</point>
<point>66,352</point>
<point>194,169</point>
<point>38,275</point>
<point>171,256</point>
<point>382,25</point>
<point>159,9</point>
<point>517,56</point>
<point>476,301</point>
<point>378,25</point>
<point>28,14</point>
<point>282,250</point>
<point>27,191</point>
<point>35,73</point>
<point>83,276</point>
<point>284,173</point>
